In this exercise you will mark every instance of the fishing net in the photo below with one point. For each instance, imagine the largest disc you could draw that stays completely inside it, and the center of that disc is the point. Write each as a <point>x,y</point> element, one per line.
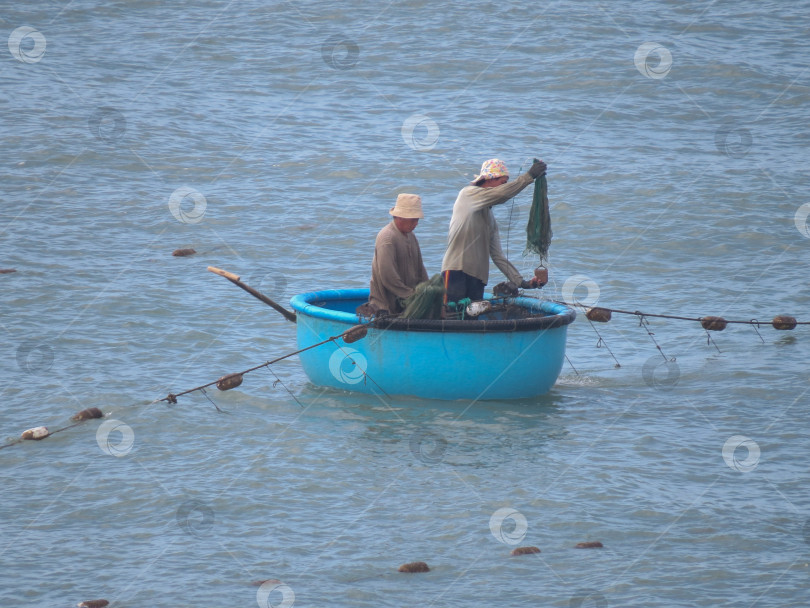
<point>426,301</point>
<point>538,230</point>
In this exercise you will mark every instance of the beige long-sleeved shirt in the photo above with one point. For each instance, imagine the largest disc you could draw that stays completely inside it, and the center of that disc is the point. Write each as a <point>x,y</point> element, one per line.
<point>473,238</point>
<point>396,269</point>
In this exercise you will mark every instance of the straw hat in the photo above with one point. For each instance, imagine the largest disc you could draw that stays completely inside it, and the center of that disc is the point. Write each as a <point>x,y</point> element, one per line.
<point>491,169</point>
<point>408,206</point>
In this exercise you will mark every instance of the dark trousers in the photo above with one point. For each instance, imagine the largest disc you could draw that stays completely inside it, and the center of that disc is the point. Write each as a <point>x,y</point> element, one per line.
<point>459,285</point>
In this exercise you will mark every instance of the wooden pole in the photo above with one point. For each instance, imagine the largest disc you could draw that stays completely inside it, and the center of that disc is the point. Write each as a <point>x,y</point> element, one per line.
<point>288,314</point>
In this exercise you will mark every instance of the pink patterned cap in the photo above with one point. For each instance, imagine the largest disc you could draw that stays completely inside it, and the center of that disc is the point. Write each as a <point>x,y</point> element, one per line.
<point>491,169</point>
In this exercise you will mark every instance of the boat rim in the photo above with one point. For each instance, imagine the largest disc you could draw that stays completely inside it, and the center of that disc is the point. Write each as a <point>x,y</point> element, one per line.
<point>550,314</point>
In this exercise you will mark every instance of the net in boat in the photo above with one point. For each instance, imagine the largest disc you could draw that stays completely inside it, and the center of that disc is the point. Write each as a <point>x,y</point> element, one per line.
<point>426,301</point>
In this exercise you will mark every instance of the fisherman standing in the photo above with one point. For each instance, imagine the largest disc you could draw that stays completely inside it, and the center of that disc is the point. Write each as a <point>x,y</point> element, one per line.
<point>473,238</point>
<point>397,266</point>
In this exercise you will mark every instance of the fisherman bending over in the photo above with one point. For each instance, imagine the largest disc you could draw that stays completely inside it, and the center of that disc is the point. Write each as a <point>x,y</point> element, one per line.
<point>474,238</point>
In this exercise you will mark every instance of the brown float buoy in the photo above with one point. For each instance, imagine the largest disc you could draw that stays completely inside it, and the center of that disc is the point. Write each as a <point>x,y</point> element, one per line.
<point>524,550</point>
<point>88,414</point>
<point>784,322</point>
<point>353,334</point>
<point>414,567</point>
<point>591,544</point>
<point>713,323</point>
<point>36,433</point>
<point>229,381</point>
<point>541,274</point>
<point>600,315</point>
<point>183,252</point>
<point>7,270</point>
<point>93,604</point>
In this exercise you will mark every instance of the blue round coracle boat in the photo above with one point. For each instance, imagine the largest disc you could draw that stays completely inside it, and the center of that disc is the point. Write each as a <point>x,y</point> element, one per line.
<point>515,351</point>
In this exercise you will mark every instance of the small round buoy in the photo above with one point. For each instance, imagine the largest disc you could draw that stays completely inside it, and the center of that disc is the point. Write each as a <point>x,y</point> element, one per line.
<point>784,322</point>
<point>600,315</point>
<point>524,550</point>
<point>88,414</point>
<point>93,604</point>
<point>541,274</point>
<point>36,433</point>
<point>183,252</point>
<point>353,334</point>
<point>229,381</point>
<point>414,567</point>
<point>591,544</point>
<point>713,323</point>
<point>272,581</point>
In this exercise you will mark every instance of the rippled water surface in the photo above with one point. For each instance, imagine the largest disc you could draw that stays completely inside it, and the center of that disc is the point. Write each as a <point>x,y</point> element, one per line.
<point>272,138</point>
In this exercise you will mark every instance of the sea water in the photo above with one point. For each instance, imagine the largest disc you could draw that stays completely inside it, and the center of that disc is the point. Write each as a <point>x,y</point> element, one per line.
<point>272,138</point>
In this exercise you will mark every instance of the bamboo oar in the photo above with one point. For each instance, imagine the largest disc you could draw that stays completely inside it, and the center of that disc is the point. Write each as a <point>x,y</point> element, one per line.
<point>288,314</point>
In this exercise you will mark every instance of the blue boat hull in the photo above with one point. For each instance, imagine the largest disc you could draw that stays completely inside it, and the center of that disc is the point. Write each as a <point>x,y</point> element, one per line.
<point>471,360</point>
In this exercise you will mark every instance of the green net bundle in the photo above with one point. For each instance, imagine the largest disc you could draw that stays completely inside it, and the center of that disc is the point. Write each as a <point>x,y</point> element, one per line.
<point>426,301</point>
<point>538,230</point>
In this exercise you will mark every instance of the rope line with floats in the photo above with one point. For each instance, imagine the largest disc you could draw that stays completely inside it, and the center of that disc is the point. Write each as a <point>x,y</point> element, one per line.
<point>599,314</point>
<point>41,432</point>
<point>229,381</point>
<point>603,315</point>
<point>224,383</point>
